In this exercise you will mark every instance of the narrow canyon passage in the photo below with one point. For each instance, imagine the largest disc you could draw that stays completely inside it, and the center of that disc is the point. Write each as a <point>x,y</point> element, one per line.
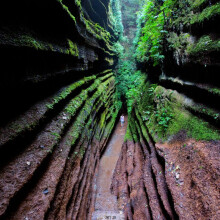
<point>106,202</point>
<point>69,69</point>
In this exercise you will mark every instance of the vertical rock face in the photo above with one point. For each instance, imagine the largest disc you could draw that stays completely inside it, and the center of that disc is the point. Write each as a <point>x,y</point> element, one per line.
<point>191,57</point>
<point>57,107</point>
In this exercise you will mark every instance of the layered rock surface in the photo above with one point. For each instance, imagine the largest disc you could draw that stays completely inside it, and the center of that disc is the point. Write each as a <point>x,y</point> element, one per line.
<point>58,109</point>
<point>176,180</point>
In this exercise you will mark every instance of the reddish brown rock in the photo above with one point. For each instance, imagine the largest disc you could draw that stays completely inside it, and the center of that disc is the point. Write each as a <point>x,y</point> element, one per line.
<point>193,177</point>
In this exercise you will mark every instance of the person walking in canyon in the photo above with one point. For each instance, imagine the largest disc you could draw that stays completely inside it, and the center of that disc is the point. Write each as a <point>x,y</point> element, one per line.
<point>122,120</point>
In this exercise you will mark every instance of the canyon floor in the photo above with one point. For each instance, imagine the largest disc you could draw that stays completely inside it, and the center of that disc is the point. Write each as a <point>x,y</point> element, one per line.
<point>106,203</point>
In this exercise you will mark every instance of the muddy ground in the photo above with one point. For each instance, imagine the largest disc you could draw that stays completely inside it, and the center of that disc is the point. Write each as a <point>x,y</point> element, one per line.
<point>105,202</point>
<point>179,180</point>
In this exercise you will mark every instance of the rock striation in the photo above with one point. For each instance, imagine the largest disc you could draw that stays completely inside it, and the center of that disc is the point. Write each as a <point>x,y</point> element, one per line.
<point>58,108</point>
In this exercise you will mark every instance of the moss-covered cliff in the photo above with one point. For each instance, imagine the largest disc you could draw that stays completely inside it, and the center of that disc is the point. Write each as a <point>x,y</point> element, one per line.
<point>57,106</point>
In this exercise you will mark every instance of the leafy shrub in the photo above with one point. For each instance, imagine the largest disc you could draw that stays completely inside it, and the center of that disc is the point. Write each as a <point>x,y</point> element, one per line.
<point>154,17</point>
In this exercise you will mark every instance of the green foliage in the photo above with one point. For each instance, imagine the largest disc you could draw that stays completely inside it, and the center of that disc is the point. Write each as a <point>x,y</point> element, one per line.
<point>128,80</point>
<point>116,17</point>
<point>205,44</point>
<point>129,83</point>
<point>118,49</point>
<point>153,17</point>
<point>56,135</point>
<point>134,93</point>
<point>123,77</point>
<point>197,3</point>
<point>192,12</point>
<point>206,14</point>
<point>165,118</point>
<point>157,16</point>
<point>73,48</point>
<point>215,91</point>
<point>178,42</point>
<point>156,109</point>
<point>162,116</point>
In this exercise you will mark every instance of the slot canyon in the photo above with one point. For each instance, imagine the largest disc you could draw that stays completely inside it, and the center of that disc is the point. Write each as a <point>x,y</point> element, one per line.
<point>71,71</point>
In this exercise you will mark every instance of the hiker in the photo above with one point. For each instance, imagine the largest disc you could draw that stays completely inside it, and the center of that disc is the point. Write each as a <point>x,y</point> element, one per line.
<point>122,120</point>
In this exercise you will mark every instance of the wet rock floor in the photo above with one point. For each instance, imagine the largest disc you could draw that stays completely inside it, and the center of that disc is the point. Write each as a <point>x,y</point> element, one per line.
<point>106,203</point>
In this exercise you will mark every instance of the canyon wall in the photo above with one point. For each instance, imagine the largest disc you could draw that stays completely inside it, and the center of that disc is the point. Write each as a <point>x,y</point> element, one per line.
<point>169,166</point>
<point>57,106</point>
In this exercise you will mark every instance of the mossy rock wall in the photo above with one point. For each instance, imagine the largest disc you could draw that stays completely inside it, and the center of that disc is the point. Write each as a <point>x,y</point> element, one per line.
<point>186,80</point>
<point>57,107</point>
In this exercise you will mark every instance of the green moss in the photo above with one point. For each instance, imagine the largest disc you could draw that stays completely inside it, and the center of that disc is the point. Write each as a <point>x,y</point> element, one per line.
<point>31,42</point>
<point>164,117</point>
<point>183,121</point>
<point>128,135</point>
<point>111,124</point>
<point>138,128</point>
<point>69,90</point>
<point>18,127</point>
<point>102,123</point>
<point>195,127</point>
<point>94,28</point>
<point>108,129</point>
<point>158,112</point>
<point>106,76</point>
<point>73,48</point>
<point>82,151</point>
<point>80,123</point>
<point>155,111</point>
<point>178,42</point>
<point>56,135</point>
<point>22,124</point>
<point>102,120</point>
<point>110,61</point>
<point>134,132</point>
<point>143,127</point>
<point>215,91</point>
<point>76,103</point>
<point>65,8</point>
<point>131,133</point>
<point>204,45</point>
<point>207,111</point>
